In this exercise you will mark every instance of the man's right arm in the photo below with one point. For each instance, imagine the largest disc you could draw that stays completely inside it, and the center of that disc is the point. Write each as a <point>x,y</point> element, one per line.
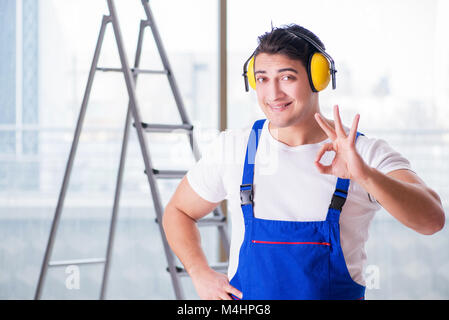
<point>179,222</point>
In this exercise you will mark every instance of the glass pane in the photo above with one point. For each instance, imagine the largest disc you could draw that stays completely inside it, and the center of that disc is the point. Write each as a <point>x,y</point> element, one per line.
<point>36,138</point>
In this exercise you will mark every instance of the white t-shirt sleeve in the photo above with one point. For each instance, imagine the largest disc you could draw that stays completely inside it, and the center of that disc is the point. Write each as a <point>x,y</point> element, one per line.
<point>378,154</point>
<point>206,176</point>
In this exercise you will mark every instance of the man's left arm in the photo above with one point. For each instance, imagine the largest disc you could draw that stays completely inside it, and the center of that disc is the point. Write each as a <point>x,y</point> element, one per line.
<point>401,192</point>
<point>406,197</point>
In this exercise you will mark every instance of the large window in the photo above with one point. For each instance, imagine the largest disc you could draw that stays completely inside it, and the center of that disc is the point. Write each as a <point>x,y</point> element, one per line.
<point>46,52</point>
<point>393,68</point>
<point>392,59</point>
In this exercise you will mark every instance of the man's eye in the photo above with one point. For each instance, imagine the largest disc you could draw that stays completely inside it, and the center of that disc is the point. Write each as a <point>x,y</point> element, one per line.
<point>286,78</point>
<point>260,80</point>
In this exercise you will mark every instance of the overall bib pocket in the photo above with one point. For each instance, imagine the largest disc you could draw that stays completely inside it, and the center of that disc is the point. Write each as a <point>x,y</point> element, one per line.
<point>291,269</point>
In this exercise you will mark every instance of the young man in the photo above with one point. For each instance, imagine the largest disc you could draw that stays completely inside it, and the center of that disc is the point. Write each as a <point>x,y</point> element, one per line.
<point>292,238</point>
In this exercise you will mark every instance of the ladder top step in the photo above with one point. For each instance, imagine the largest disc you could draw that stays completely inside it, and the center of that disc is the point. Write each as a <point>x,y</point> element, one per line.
<point>168,128</point>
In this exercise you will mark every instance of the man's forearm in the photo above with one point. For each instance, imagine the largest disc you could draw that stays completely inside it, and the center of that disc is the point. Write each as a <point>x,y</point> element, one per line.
<point>184,239</point>
<point>412,204</point>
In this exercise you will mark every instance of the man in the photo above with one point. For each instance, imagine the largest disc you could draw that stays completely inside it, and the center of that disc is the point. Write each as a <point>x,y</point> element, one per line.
<point>298,226</point>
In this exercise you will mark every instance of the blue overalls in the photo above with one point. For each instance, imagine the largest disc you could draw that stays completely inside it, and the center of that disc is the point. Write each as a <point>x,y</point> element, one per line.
<point>291,260</point>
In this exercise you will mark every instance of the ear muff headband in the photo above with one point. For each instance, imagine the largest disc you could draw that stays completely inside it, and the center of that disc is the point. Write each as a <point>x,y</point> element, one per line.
<point>320,68</point>
<point>248,73</point>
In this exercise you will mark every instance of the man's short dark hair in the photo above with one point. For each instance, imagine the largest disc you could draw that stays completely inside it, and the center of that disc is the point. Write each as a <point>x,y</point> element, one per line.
<point>282,41</point>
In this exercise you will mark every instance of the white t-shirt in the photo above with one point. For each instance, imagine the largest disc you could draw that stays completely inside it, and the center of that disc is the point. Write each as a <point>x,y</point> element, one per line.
<point>288,186</point>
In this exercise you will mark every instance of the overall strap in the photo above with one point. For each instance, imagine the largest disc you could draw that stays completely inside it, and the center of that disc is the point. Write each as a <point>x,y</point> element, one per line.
<point>339,196</point>
<point>246,188</point>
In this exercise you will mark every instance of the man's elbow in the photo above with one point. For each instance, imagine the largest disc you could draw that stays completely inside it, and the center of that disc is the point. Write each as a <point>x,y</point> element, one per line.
<point>435,224</point>
<point>173,216</point>
<point>436,220</point>
<point>440,221</point>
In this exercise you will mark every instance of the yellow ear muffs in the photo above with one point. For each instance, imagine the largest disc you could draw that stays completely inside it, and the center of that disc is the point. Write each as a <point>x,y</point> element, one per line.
<point>250,74</point>
<point>319,72</point>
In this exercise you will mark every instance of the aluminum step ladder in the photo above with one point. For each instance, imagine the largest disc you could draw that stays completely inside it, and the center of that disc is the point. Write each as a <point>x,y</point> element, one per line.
<point>217,219</point>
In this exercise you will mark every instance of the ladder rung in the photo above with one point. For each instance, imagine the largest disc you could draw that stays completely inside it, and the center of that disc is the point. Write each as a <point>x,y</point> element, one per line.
<point>109,69</point>
<point>166,127</point>
<point>133,70</point>
<point>219,267</point>
<point>212,221</point>
<point>169,174</point>
<point>76,262</point>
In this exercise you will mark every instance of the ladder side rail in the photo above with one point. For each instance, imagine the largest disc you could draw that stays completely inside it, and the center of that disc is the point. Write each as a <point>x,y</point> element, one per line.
<point>68,170</point>
<point>113,223</point>
<point>171,79</point>
<point>196,152</point>
<point>173,85</point>
<point>118,187</point>
<point>181,107</point>
<point>143,146</point>
<point>166,63</point>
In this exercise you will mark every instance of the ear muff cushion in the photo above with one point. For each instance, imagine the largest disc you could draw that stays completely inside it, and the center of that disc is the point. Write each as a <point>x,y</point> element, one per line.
<point>250,74</point>
<point>319,71</point>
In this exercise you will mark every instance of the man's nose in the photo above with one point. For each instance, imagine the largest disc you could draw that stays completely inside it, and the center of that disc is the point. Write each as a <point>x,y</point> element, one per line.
<point>275,91</point>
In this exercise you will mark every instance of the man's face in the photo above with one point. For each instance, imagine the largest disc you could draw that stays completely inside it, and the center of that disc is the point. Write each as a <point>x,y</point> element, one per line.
<point>283,89</point>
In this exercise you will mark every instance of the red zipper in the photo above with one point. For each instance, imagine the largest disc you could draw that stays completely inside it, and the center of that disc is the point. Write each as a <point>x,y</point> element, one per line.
<point>289,242</point>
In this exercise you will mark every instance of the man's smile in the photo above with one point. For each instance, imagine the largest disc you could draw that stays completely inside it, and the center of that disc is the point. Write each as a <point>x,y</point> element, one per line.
<point>278,107</point>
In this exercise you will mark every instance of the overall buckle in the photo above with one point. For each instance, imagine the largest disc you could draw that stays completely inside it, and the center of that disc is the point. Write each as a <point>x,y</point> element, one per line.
<point>338,199</point>
<point>337,202</point>
<point>246,194</point>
